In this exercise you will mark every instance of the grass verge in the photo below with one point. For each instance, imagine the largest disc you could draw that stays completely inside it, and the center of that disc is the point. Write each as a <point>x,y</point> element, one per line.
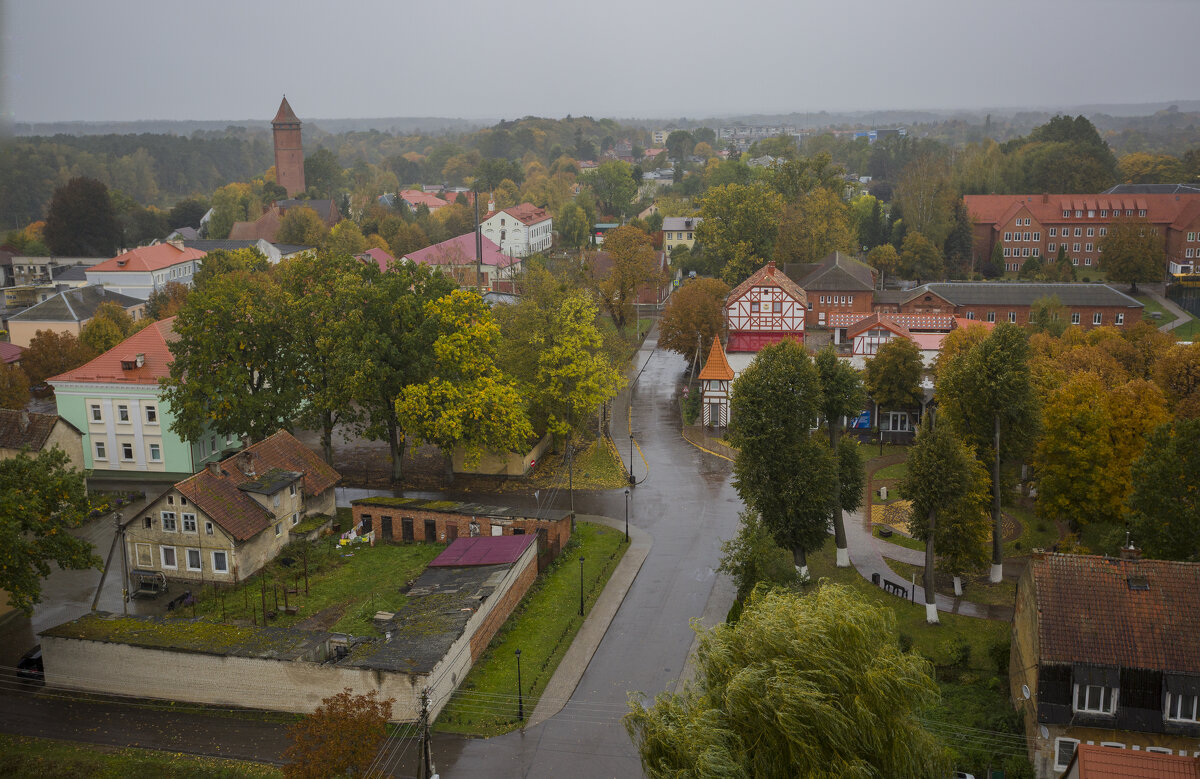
<point>976,589</point>
<point>899,540</point>
<point>596,467</point>
<point>1036,533</point>
<point>893,471</point>
<point>39,757</point>
<point>543,627</point>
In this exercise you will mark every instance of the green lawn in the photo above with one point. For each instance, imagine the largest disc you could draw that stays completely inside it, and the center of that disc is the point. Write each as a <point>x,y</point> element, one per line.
<point>543,627</point>
<point>35,758</point>
<point>352,582</point>
<point>1151,306</point>
<point>1188,331</point>
<point>976,589</point>
<point>894,471</point>
<point>871,451</point>
<point>1036,533</point>
<point>899,540</point>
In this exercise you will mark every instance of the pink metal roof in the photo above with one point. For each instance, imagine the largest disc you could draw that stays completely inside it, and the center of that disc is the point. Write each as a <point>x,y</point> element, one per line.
<point>459,251</point>
<point>483,550</point>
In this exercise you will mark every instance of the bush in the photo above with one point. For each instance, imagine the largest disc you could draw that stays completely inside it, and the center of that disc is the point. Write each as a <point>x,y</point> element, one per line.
<point>999,651</point>
<point>690,405</point>
<point>957,651</point>
<point>905,641</point>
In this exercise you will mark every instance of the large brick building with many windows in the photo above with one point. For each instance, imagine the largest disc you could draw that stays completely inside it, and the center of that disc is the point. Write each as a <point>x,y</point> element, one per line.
<point>1040,225</point>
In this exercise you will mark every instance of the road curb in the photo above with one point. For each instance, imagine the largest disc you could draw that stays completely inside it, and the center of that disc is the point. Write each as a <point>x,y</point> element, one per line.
<point>570,670</point>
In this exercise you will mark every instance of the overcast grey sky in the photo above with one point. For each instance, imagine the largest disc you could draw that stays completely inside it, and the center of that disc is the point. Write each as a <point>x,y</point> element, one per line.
<point>231,59</point>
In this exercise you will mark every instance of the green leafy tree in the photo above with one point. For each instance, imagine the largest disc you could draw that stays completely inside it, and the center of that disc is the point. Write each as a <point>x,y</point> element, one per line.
<point>694,316</point>
<point>680,144</point>
<point>468,402</point>
<point>810,686</point>
<point>634,265</point>
<point>752,556</point>
<point>842,395</point>
<point>109,326</point>
<point>323,174</point>
<point>396,348</point>
<point>220,262</point>
<point>187,213</point>
<point>51,353</point>
<point>302,226</point>
<point>1164,507</point>
<point>893,376</point>
<point>234,367</point>
<point>817,225</point>
<point>1133,251</point>
<point>920,259</point>
<point>960,243</point>
<point>885,259</point>
<point>81,221</point>
<point>345,238</point>
<point>925,194</point>
<point>341,738</point>
<point>41,499</point>
<point>986,393</point>
<point>231,203</point>
<point>14,386</point>
<point>614,187</point>
<point>772,413</point>
<point>573,226</point>
<point>1048,315</point>
<point>945,481</point>
<point>740,226</point>
<point>1177,371</point>
<point>166,301</point>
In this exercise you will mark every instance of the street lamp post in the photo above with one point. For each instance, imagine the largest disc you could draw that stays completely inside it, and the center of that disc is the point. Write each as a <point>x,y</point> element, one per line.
<point>581,586</point>
<point>632,479</point>
<point>627,515</point>
<point>520,698</point>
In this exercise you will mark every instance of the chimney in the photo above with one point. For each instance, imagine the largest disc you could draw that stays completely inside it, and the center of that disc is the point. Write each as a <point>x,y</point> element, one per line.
<point>177,243</point>
<point>245,463</point>
<point>771,268</point>
<point>1129,551</point>
<point>214,468</point>
<point>1045,197</point>
<point>24,421</point>
<point>491,204</point>
<point>141,360</point>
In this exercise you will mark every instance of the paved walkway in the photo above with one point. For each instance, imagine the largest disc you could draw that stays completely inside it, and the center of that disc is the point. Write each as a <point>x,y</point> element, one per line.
<point>1181,316</point>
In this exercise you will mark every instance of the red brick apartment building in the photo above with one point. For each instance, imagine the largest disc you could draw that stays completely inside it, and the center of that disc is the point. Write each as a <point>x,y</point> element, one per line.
<point>1039,225</point>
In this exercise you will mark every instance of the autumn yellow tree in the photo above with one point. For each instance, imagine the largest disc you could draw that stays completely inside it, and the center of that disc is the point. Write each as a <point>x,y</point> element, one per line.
<point>302,226</point>
<point>815,226</point>
<point>634,264</point>
<point>694,316</point>
<point>341,737</point>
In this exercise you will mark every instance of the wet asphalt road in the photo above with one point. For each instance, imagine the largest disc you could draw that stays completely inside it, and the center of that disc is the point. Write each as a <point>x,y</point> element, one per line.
<point>689,507</point>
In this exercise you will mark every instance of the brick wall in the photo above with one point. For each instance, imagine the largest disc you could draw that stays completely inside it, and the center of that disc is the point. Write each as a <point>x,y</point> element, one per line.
<point>504,607</point>
<point>448,525</point>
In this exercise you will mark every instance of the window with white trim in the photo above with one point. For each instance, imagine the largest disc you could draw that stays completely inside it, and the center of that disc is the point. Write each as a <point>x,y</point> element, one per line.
<point>1091,214</point>
<point>127,451</point>
<point>1078,231</point>
<point>970,315</point>
<point>1097,318</point>
<point>1087,260</point>
<point>1113,744</point>
<point>1088,248</point>
<point>1012,317</point>
<point>1052,247</point>
<point>1182,708</point>
<point>1141,212</point>
<point>1053,232</point>
<point>208,528</point>
<point>1103,213</point>
<point>1007,237</point>
<point>1094,698</point>
<point>151,415</point>
<point>1066,214</point>
<point>220,562</point>
<point>189,523</point>
<point>141,556</point>
<point>292,490</point>
<point>122,413</point>
<point>1160,750</point>
<point>1037,236</point>
<point>1075,318</point>
<point>278,528</point>
<point>193,559</point>
<point>1120,319</point>
<point>96,415</point>
<point>167,555</point>
<point>155,453</point>
<point>295,517</point>
<point>1091,231</point>
<point>168,521</point>
<point>1079,214</point>
<point>1075,247</point>
<point>1064,750</point>
<point>100,453</point>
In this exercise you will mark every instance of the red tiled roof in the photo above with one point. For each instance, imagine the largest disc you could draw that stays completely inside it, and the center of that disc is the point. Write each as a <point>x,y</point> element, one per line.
<point>1088,612</point>
<point>152,341</point>
<point>962,323</point>
<point>459,251</point>
<point>717,367</point>
<point>10,352</point>
<point>937,322</point>
<point>768,276</point>
<point>483,550</point>
<point>998,209</point>
<point>526,213</point>
<point>219,496</point>
<point>285,114</point>
<point>878,320</point>
<point>149,258</point>
<point>1092,761</point>
<point>415,197</point>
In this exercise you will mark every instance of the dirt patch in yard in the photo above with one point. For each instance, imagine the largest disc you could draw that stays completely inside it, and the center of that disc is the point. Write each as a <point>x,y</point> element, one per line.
<point>324,619</point>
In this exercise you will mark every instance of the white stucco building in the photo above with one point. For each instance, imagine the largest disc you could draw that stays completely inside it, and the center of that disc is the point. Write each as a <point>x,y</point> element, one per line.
<point>521,230</point>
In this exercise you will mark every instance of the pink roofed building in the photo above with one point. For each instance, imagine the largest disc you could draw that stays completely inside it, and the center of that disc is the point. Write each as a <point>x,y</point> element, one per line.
<point>415,197</point>
<point>377,256</point>
<point>456,257</point>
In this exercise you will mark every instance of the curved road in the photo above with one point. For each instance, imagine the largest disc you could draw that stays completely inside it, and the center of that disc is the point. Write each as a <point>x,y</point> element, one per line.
<point>688,506</point>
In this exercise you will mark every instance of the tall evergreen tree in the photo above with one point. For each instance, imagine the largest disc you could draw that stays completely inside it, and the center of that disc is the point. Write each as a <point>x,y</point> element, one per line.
<point>81,221</point>
<point>842,396</point>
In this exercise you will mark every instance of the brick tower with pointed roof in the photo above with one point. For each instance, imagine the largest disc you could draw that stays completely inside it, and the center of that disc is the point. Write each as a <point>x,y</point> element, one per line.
<point>289,150</point>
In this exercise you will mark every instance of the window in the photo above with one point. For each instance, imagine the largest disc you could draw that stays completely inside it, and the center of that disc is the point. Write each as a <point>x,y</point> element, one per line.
<point>100,455</point>
<point>1160,750</point>
<point>1026,238</point>
<point>275,500</point>
<point>1113,744</point>
<point>168,521</point>
<point>167,553</point>
<point>155,453</point>
<point>1078,231</point>
<point>1053,232</point>
<point>295,517</point>
<point>1037,236</point>
<point>1097,318</point>
<point>1066,214</point>
<point>278,528</point>
<point>96,417</point>
<point>1074,260</point>
<point>1191,237</point>
<point>1103,213</point>
<point>151,415</point>
<point>1091,231</point>
<point>1094,698</point>
<point>898,421</point>
<point>1088,248</point>
<point>970,315</point>
<point>220,562</point>
<point>1075,318</point>
<point>1025,251</point>
<point>1007,237</point>
<point>208,528</point>
<point>1103,231</point>
<point>991,316</point>
<point>1076,247</point>
<point>1052,247</point>
<point>127,451</point>
<point>1181,708</point>
<point>193,559</point>
<point>1087,260</point>
<point>189,523</point>
<point>212,444</point>
<point>1120,319</point>
<point>292,490</point>
<point>122,413</point>
<point>1188,254</point>
<point>1064,750</point>
<point>754,307</point>
<point>1091,214</point>
<point>1006,251</point>
<point>777,307</point>
<point>1012,316</point>
<point>1142,212</point>
<point>1078,215</point>
<point>141,555</point>
<point>147,522</point>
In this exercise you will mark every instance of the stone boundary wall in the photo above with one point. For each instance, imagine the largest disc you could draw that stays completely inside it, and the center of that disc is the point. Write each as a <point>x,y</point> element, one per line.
<point>501,464</point>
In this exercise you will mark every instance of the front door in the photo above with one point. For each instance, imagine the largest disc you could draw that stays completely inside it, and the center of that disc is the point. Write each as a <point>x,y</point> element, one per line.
<point>430,531</point>
<point>385,528</point>
<point>406,530</point>
<point>451,533</point>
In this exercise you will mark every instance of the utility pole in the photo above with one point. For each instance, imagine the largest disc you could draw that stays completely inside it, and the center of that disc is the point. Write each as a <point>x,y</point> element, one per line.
<point>426,769</point>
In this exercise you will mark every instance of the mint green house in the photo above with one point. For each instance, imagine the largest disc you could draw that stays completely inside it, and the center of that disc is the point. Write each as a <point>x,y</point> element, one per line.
<point>115,401</point>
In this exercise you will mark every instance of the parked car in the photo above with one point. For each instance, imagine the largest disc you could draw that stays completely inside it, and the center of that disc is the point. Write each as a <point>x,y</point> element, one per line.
<point>30,666</point>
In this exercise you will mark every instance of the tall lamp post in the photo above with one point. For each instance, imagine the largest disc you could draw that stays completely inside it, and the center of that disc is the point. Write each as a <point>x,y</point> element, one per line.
<point>581,586</point>
<point>632,478</point>
<point>520,699</point>
<point>627,515</point>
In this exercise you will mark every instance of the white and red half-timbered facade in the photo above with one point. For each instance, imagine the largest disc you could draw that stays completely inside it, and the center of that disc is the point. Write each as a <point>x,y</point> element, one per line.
<point>763,310</point>
<point>715,387</point>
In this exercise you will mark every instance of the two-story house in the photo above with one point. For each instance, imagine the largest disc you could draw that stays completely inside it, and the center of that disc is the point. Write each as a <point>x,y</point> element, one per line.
<point>140,272</point>
<point>68,311</point>
<point>679,231</point>
<point>227,521</point>
<point>1104,652</point>
<point>520,231</point>
<point>116,401</point>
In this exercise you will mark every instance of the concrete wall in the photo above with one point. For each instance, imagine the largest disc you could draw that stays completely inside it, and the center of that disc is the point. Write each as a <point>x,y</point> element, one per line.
<point>501,464</point>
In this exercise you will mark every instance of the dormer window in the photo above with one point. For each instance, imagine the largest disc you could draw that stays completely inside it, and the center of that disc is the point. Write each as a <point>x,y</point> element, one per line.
<point>1095,699</point>
<point>1182,708</point>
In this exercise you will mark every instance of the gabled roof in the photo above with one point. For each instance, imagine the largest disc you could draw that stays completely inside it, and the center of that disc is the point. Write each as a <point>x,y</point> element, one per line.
<point>377,256</point>
<point>20,429</point>
<point>912,322</point>
<point>675,223</point>
<point>416,197</point>
<point>526,213</point>
<point>983,293</point>
<point>285,114</point>
<point>113,366</point>
<point>10,352</point>
<point>962,323</point>
<point>459,251</point>
<point>324,208</point>
<point>768,276</point>
<point>1088,612</point>
<point>276,459</point>
<point>716,368</point>
<point>878,321</point>
<point>996,210</point>
<point>148,258</point>
<point>838,272</point>
<point>1093,761</point>
<point>75,305</point>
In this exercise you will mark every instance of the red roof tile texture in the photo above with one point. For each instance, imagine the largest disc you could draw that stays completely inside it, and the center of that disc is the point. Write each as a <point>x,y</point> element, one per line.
<point>149,258</point>
<point>219,496</point>
<point>717,367</point>
<point>1088,612</point>
<point>526,213</point>
<point>768,276</point>
<point>110,368</point>
<point>483,550</point>
<point>1096,762</point>
<point>998,209</point>
<point>285,114</point>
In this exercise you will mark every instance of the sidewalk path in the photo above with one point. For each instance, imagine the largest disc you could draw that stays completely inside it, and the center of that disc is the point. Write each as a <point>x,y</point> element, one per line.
<point>1181,316</point>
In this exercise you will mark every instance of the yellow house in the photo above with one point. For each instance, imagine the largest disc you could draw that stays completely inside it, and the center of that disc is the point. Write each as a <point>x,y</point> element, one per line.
<point>679,231</point>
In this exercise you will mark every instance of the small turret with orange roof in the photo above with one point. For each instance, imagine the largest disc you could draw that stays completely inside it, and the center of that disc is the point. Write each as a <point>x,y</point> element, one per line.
<point>716,368</point>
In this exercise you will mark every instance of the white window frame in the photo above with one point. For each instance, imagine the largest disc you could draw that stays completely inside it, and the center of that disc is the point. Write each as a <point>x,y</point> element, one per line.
<point>155,452</point>
<point>1058,742</point>
<point>151,415</point>
<point>162,557</point>
<point>97,412</point>
<point>128,458</point>
<point>991,316</point>
<point>1091,232</point>
<point>101,452</point>
<point>1012,317</point>
<point>1172,706</point>
<point>1075,318</point>
<point>187,558</point>
<point>123,414</point>
<point>1160,750</point>
<point>1121,318</point>
<point>1053,232</point>
<point>168,516</point>
<point>224,557</point>
<point>208,528</point>
<point>185,520</point>
<point>292,490</point>
<point>295,518</point>
<point>278,529</point>
<point>1107,694</point>
<point>1112,744</point>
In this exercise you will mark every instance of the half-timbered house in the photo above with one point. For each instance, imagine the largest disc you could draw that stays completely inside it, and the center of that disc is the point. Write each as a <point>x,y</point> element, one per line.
<point>763,310</point>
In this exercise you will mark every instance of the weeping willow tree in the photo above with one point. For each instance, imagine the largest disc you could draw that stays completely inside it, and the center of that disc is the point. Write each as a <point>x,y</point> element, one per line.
<point>801,686</point>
